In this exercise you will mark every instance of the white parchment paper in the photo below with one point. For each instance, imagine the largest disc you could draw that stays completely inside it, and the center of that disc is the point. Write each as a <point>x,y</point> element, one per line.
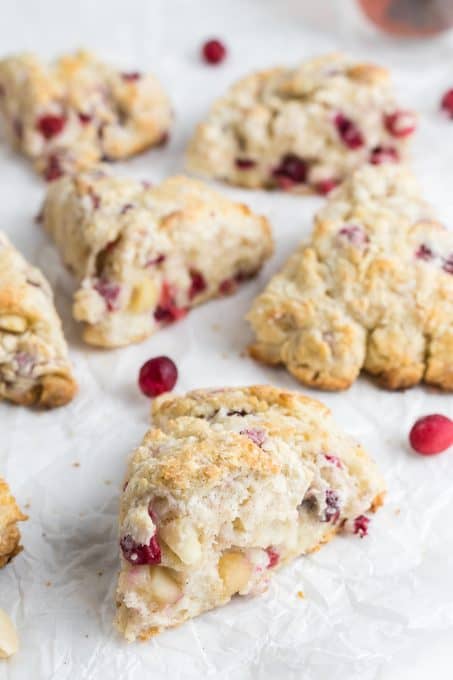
<point>370,607</point>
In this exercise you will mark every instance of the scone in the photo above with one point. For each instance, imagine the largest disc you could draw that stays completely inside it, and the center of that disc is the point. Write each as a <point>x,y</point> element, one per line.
<point>69,114</point>
<point>10,514</point>
<point>372,290</point>
<point>145,255</point>
<point>230,485</point>
<point>302,129</point>
<point>34,365</point>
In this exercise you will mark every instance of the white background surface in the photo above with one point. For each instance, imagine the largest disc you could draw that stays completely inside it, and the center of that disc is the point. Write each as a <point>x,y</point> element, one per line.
<point>381,608</point>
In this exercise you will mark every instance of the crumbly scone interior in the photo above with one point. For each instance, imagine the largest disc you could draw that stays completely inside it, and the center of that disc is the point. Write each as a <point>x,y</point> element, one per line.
<point>232,485</point>
<point>372,290</point>
<point>304,128</point>
<point>34,368</point>
<point>145,255</point>
<point>10,514</point>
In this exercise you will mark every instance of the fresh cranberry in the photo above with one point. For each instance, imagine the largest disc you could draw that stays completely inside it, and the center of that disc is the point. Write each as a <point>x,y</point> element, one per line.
<point>332,511</point>
<point>361,525</point>
<point>348,131</point>
<point>354,234</point>
<point>213,51</point>
<point>447,103</point>
<point>197,285</point>
<point>291,170</point>
<point>157,376</point>
<point>423,252</point>
<point>400,123</point>
<point>228,286</point>
<point>167,310</point>
<point>257,436</point>
<point>325,186</point>
<point>50,125</point>
<point>244,163</point>
<point>131,76</point>
<point>109,291</point>
<point>448,264</point>
<point>431,434</point>
<point>383,154</point>
<point>137,553</point>
<point>85,118</point>
<point>274,557</point>
<point>334,460</point>
<point>53,169</point>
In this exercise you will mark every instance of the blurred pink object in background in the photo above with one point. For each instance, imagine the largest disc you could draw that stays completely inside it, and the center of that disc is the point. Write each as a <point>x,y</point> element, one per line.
<point>411,18</point>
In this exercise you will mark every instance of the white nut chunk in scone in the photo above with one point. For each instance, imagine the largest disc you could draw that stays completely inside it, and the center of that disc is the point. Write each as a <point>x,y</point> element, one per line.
<point>144,255</point>
<point>302,129</point>
<point>70,114</point>
<point>230,485</point>
<point>10,515</point>
<point>371,290</point>
<point>34,364</point>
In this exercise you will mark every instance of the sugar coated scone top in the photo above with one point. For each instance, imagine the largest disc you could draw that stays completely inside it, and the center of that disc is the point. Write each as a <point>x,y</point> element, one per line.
<point>303,128</point>
<point>10,514</point>
<point>229,485</point>
<point>371,290</point>
<point>34,365</point>
<point>71,113</point>
<point>144,255</point>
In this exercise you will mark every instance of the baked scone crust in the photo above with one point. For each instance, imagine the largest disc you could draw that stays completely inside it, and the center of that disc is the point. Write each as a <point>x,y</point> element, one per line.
<point>302,129</point>
<point>70,114</point>
<point>229,485</point>
<point>144,255</point>
<point>371,290</point>
<point>34,366</point>
<point>10,514</point>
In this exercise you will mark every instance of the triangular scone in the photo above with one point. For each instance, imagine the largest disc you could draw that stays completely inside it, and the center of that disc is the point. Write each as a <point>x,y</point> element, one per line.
<point>372,290</point>
<point>70,114</point>
<point>230,485</point>
<point>10,514</point>
<point>302,129</point>
<point>34,365</point>
<point>145,255</point>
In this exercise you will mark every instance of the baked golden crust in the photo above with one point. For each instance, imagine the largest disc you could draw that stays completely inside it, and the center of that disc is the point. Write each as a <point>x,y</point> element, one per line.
<point>10,514</point>
<point>228,485</point>
<point>68,115</point>
<point>302,129</point>
<point>145,255</point>
<point>34,367</point>
<point>372,291</point>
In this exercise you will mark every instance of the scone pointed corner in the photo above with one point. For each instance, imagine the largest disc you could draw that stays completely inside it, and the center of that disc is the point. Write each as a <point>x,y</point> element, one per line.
<point>228,486</point>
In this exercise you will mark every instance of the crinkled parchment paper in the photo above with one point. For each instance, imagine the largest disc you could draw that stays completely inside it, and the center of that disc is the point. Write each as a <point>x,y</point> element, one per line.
<point>369,606</point>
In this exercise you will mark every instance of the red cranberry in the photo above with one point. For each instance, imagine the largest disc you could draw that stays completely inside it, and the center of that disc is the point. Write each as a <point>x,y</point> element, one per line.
<point>137,553</point>
<point>291,168</point>
<point>244,163</point>
<point>50,125</point>
<point>257,436</point>
<point>447,103</point>
<point>348,131</point>
<point>448,264</point>
<point>53,169</point>
<point>423,252</point>
<point>213,51</point>
<point>383,154</point>
<point>85,118</point>
<point>197,285</point>
<point>167,310</point>
<point>354,234</point>
<point>157,376</point>
<point>325,186</point>
<point>400,123</point>
<point>274,557</point>
<point>131,77</point>
<point>361,525</point>
<point>109,291</point>
<point>332,511</point>
<point>431,434</point>
<point>334,460</point>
